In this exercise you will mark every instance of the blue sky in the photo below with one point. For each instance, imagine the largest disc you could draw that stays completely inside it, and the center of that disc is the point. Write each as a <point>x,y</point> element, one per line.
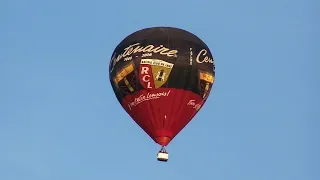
<point>59,119</point>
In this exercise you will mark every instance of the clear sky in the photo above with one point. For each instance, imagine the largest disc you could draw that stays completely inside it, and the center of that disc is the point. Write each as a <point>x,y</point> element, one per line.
<point>59,118</point>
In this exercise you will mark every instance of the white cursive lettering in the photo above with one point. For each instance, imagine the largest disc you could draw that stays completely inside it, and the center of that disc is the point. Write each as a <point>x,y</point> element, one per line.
<point>137,48</point>
<point>202,58</point>
<point>195,106</point>
<point>147,97</point>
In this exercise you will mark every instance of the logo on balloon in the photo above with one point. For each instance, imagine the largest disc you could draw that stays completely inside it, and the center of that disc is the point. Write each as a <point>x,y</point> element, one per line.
<point>125,79</point>
<point>133,49</point>
<point>154,73</point>
<point>194,105</point>
<point>146,97</point>
<point>205,82</point>
<point>202,57</point>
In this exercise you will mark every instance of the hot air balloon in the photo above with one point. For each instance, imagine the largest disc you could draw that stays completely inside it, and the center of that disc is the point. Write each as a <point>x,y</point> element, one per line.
<point>162,76</point>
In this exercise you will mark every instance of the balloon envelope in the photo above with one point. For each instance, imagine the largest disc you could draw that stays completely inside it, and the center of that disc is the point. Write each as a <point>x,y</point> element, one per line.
<point>162,76</point>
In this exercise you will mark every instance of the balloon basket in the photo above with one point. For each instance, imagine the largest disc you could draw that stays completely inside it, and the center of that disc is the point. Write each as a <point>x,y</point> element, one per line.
<point>163,155</point>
